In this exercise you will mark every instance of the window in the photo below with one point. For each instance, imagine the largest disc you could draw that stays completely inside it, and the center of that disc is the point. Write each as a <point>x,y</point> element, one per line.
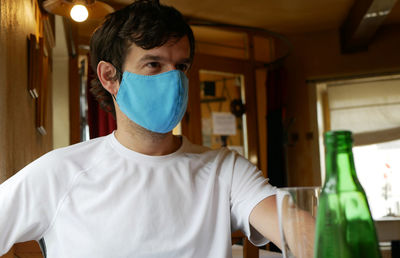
<point>370,108</point>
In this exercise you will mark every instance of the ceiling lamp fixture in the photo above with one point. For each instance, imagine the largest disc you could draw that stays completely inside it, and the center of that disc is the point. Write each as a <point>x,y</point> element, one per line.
<point>78,10</point>
<point>79,13</point>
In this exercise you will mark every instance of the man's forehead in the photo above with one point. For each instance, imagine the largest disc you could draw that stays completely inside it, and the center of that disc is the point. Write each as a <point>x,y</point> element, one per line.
<point>174,46</point>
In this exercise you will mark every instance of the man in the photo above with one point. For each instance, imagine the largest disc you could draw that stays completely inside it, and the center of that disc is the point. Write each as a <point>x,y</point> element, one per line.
<point>141,191</point>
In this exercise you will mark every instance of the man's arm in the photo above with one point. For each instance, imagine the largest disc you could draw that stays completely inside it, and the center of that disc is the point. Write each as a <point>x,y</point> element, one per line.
<point>28,202</point>
<point>264,218</point>
<point>299,226</point>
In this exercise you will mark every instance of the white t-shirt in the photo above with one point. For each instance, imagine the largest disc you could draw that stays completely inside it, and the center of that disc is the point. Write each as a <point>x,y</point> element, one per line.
<point>99,199</point>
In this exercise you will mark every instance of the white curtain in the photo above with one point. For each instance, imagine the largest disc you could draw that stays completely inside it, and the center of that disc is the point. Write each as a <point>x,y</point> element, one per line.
<point>370,109</point>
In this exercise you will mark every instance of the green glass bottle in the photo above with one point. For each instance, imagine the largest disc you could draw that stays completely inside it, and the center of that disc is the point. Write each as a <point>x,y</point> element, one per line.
<point>344,227</point>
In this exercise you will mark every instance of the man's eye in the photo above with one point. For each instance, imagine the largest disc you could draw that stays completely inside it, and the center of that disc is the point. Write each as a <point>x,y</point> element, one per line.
<point>153,65</point>
<point>182,67</point>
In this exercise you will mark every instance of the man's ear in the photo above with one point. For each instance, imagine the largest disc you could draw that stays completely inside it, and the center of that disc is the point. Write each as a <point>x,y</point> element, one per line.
<point>106,73</point>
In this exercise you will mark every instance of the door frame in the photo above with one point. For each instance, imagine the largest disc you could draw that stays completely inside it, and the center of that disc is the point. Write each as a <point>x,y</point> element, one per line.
<point>191,123</point>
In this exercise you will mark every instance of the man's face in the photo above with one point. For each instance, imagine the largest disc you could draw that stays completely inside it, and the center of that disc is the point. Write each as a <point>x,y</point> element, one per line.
<point>173,55</point>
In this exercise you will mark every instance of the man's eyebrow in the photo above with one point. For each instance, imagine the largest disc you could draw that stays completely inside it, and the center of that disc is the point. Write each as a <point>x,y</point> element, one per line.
<point>149,57</point>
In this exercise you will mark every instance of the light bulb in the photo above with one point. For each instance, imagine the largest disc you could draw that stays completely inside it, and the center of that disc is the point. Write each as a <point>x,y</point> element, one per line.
<point>79,13</point>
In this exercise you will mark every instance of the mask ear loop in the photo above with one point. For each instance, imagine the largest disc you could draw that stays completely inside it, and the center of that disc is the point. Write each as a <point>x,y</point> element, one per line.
<point>113,96</point>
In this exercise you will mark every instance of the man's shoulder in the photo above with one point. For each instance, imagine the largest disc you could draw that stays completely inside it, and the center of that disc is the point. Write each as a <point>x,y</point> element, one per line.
<point>54,172</point>
<point>75,157</point>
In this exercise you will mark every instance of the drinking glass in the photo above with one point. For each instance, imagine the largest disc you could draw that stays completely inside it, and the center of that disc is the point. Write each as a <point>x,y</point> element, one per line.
<point>297,211</point>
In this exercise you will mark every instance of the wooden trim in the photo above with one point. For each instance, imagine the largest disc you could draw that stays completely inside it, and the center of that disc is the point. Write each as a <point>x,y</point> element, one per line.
<point>326,111</point>
<point>71,32</point>
<point>261,79</point>
<point>49,30</point>
<point>191,122</point>
<point>74,90</point>
<point>251,113</point>
<point>251,106</point>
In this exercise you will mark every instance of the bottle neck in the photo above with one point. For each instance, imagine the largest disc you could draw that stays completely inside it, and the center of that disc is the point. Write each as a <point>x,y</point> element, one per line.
<point>340,169</point>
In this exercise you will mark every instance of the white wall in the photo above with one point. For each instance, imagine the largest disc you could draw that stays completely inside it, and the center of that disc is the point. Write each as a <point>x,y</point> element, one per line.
<point>60,88</point>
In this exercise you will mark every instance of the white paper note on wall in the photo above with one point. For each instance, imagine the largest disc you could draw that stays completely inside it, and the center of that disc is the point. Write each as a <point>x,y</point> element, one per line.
<point>224,123</point>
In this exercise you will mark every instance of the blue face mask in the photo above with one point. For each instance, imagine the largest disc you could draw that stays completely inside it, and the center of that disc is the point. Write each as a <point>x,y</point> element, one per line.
<point>155,102</point>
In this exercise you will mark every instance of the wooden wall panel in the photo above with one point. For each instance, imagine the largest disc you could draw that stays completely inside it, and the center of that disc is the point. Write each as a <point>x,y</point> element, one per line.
<point>20,142</point>
<point>3,106</point>
<point>318,56</point>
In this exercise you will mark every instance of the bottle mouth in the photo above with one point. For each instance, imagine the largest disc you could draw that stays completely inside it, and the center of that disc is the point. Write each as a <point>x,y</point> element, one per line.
<point>338,139</point>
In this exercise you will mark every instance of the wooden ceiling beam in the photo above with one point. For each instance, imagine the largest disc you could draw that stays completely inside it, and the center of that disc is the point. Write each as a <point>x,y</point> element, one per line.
<point>362,22</point>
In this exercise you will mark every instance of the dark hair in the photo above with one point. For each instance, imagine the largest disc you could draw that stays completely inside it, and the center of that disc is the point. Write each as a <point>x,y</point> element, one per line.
<point>146,23</point>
